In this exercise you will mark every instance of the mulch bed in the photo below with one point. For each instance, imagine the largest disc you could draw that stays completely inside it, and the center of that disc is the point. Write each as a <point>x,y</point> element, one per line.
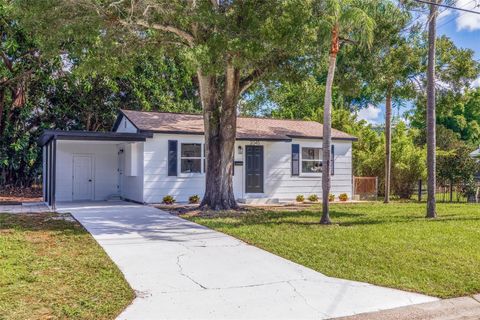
<point>192,210</point>
<point>14,195</point>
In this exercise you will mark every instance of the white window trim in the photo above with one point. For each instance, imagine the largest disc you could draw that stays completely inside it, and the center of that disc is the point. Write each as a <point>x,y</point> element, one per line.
<point>309,174</point>
<point>179,159</point>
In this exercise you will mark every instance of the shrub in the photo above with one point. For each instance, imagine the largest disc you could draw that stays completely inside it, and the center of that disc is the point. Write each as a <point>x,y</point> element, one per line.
<point>194,199</point>
<point>331,197</point>
<point>408,159</point>
<point>343,197</point>
<point>300,198</point>
<point>313,198</point>
<point>469,190</point>
<point>168,199</point>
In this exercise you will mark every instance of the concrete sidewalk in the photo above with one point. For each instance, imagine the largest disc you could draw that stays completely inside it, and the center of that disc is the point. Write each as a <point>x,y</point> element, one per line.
<point>26,207</point>
<point>464,308</point>
<point>181,270</point>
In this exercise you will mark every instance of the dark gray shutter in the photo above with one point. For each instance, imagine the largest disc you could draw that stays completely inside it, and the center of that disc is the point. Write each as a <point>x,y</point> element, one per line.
<point>172,157</point>
<point>295,159</point>
<point>332,155</point>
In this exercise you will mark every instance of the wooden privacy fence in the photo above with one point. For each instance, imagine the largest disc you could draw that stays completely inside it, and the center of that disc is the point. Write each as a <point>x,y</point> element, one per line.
<point>365,188</point>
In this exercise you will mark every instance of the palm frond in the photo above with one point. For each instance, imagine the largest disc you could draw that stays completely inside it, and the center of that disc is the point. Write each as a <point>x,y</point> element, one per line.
<point>357,25</point>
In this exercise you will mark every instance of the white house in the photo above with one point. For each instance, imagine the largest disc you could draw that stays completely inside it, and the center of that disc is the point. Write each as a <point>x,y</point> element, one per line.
<point>149,155</point>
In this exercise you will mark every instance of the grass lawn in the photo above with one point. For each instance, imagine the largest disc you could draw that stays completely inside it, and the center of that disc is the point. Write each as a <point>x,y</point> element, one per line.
<point>51,269</point>
<point>391,245</point>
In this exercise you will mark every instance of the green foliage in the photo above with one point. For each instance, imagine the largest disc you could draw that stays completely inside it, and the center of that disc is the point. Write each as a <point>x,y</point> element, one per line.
<point>20,67</point>
<point>456,102</point>
<point>300,198</point>
<point>168,199</point>
<point>350,19</point>
<point>159,83</point>
<point>194,199</point>
<point>454,164</point>
<point>38,91</point>
<point>408,161</point>
<point>461,114</point>
<point>313,198</point>
<point>470,189</point>
<point>392,59</point>
<point>108,35</point>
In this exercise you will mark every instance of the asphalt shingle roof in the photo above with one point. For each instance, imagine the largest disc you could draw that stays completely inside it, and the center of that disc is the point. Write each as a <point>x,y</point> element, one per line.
<point>247,128</point>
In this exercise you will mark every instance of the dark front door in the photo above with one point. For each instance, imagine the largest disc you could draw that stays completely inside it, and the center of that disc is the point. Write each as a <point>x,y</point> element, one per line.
<point>254,169</point>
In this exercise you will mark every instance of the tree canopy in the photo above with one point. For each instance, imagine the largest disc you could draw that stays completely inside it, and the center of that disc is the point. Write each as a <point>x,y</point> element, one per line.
<point>72,64</point>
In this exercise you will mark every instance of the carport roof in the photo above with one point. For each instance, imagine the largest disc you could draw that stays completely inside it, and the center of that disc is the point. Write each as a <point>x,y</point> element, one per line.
<point>48,135</point>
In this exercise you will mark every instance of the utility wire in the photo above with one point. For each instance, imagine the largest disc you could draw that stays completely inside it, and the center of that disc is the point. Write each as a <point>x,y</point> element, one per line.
<point>447,6</point>
<point>459,15</point>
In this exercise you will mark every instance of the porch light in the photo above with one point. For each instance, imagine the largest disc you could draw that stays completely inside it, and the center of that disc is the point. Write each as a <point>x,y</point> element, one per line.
<point>240,150</point>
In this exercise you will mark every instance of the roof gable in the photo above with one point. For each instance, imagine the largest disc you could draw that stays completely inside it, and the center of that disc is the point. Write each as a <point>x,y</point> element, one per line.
<point>247,128</point>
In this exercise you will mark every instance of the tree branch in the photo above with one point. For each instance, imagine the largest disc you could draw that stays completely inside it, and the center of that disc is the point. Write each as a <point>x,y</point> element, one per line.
<point>7,61</point>
<point>166,28</point>
<point>346,40</point>
<point>249,80</point>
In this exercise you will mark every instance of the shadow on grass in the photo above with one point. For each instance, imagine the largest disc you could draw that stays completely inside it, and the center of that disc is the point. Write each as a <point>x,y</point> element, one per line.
<point>339,218</point>
<point>39,222</point>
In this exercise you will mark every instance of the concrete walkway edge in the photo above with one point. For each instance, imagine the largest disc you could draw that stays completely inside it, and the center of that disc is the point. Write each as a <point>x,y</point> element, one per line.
<point>464,308</point>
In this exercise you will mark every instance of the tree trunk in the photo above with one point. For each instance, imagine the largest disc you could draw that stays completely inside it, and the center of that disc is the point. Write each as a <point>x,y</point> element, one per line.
<point>2,105</point>
<point>327,128</point>
<point>431,118</point>
<point>451,190</point>
<point>220,129</point>
<point>388,142</point>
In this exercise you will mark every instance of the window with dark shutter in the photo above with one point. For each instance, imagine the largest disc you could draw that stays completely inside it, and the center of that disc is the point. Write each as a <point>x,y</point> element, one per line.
<point>295,159</point>
<point>172,157</point>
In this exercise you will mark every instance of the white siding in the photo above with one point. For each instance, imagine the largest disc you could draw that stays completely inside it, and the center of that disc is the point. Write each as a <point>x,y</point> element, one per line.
<point>132,185</point>
<point>105,177</point>
<point>126,126</point>
<point>157,183</point>
<point>278,181</point>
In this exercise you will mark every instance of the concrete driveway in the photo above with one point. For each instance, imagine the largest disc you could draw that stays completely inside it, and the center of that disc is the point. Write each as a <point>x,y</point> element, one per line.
<point>181,270</point>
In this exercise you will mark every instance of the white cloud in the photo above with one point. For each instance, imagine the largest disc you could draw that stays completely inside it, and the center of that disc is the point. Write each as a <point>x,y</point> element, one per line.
<point>465,20</point>
<point>476,83</point>
<point>444,13</point>
<point>370,114</point>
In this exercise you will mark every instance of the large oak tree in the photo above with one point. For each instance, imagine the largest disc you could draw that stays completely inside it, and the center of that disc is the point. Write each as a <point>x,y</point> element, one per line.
<point>229,44</point>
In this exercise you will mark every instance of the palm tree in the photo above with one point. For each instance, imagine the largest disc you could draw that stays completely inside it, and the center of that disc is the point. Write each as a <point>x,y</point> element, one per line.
<point>345,21</point>
<point>431,136</point>
<point>388,142</point>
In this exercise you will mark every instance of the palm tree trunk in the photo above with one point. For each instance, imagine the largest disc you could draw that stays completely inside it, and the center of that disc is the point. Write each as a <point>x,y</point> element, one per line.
<point>431,118</point>
<point>388,142</point>
<point>327,128</point>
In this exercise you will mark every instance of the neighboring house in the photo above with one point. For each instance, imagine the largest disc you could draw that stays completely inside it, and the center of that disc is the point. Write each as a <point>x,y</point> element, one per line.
<point>476,155</point>
<point>151,154</point>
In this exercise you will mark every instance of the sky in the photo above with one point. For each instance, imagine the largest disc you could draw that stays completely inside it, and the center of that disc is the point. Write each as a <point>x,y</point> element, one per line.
<point>463,28</point>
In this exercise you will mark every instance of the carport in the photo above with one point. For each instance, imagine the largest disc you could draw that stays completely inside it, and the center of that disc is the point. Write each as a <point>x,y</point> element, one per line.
<point>84,165</point>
